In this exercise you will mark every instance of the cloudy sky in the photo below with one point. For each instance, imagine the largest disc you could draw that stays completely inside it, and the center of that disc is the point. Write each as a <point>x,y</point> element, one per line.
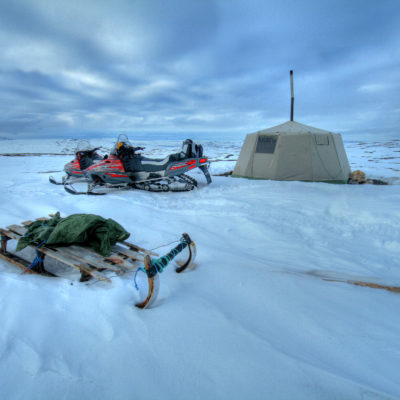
<point>93,66</point>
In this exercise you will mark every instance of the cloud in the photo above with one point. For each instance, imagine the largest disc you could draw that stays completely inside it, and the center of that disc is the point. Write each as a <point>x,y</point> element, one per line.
<point>373,87</point>
<point>69,67</point>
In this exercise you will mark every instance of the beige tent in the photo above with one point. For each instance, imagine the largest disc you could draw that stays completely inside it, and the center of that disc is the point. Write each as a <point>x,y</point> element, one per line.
<point>295,152</point>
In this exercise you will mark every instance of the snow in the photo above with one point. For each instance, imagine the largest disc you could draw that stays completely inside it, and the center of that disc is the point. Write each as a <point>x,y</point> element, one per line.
<point>266,313</point>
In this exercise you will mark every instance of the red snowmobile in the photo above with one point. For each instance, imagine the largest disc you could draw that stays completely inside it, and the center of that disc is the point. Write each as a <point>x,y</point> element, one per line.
<point>85,156</point>
<point>125,168</point>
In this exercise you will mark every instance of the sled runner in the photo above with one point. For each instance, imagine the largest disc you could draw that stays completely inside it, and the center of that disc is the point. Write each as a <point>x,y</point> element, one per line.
<point>125,257</point>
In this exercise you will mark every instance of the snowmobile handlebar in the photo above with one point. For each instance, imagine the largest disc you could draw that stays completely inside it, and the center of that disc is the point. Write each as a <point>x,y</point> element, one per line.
<point>86,153</point>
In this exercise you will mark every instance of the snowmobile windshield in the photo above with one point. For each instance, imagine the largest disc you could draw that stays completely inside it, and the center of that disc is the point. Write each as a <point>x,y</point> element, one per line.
<point>122,141</point>
<point>83,145</point>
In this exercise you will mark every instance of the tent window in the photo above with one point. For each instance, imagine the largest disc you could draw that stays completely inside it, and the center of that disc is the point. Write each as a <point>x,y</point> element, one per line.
<point>266,144</point>
<point>322,140</point>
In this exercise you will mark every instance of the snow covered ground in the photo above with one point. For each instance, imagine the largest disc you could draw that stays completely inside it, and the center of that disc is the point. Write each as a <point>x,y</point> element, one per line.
<point>266,314</point>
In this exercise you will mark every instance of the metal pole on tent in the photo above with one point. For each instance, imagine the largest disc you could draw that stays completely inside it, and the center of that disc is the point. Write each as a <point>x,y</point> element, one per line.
<point>292,95</point>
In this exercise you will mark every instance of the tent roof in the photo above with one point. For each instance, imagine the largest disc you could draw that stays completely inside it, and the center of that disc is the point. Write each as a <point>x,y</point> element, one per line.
<point>291,127</point>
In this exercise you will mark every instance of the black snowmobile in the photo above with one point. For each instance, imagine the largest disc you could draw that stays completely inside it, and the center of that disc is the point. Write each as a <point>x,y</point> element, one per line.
<point>125,168</point>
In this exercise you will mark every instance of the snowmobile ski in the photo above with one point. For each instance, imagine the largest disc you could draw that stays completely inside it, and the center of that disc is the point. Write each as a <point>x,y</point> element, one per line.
<point>54,182</point>
<point>70,189</point>
<point>67,180</point>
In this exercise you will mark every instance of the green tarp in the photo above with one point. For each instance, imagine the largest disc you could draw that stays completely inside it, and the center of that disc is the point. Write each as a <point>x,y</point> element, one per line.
<point>82,229</point>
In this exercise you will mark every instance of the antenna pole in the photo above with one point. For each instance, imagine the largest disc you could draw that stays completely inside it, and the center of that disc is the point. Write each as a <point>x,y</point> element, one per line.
<point>292,95</point>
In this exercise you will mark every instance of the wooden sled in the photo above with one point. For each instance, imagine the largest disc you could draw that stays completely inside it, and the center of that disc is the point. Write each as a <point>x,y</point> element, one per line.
<point>125,257</point>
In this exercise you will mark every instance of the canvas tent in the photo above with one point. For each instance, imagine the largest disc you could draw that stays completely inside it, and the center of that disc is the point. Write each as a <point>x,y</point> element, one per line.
<point>293,151</point>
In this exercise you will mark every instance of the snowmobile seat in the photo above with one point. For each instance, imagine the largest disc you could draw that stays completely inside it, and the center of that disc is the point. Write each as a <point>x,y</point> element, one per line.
<point>189,150</point>
<point>153,165</point>
<point>87,157</point>
<point>136,162</point>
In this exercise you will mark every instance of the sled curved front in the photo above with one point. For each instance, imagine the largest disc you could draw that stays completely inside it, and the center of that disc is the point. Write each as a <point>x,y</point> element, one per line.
<point>153,282</point>
<point>192,255</point>
<point>153,267</point>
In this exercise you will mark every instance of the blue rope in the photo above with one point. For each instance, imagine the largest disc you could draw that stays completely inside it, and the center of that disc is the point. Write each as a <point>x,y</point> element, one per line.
<point>158,264</point>
<point>161,263</point>
<point>37,259</point>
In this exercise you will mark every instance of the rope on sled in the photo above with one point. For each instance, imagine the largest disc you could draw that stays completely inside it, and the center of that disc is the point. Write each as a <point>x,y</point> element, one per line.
<point>38,259</point>
<point>164,245</point>
<point>162,262</point>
